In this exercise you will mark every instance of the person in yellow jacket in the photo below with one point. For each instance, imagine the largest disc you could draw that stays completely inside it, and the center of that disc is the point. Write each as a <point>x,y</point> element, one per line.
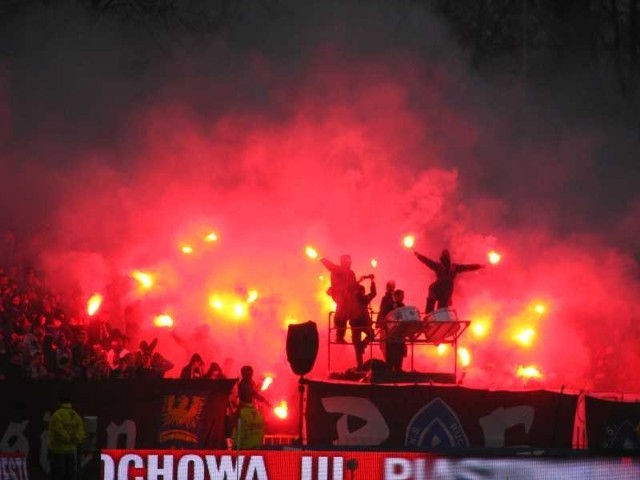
<point>66,432</point>
<point>248,431</point>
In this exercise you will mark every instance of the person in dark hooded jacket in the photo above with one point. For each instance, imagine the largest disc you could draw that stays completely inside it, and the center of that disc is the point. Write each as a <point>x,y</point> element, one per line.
<point>193,369</point>
<point>441,291</point>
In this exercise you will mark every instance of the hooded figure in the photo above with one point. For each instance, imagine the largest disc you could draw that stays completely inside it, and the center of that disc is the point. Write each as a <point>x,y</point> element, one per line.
<point>441,291</point>
<point>193,369</point>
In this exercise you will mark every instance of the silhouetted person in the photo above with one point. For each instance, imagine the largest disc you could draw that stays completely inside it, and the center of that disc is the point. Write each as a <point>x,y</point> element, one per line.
<point>441,291</point>
<point>361,330</point>
<point>214,371</point>
<point>193,369</point>
<point>386,303</point>
<point>395,346</point>
<point>343,290</point>
<point>249,426</point>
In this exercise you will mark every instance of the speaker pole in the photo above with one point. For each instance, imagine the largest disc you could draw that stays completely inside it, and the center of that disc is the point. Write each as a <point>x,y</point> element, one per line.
<point>302,351</point>
<point>301,382</point>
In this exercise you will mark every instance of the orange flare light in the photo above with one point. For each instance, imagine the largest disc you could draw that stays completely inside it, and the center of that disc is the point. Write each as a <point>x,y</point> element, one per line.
<point>525,337</point>
<point>409,241</point>
<point>163,321</point>
<point>528,372</point>
<point>290,320</point>
<point>186,249</point>
<point>480,328</point>
<point>494,257</point>
<point>464,357</point>
<point>216,303</point>
<point>266,383</point>
<point>281,410</point>
<point>144,279</point>
<point>240,310</point>
<point>212,237</point>
<point>252,296</point>
<point>539,308</point>
<point>93,305</point>
<point>311,252</point>
<point>374,262</point>
<point>230,306</point>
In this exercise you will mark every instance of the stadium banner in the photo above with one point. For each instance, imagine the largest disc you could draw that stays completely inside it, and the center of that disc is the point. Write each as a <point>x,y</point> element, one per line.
<point>150,413</point>
<point>612,425</point>
<point>13,466</point>
<point>294,464</point>
<point>437,417</point>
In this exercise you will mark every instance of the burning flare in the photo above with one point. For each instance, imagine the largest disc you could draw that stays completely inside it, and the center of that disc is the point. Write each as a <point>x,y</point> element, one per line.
<point>186,249</point>
<point>211,237</point>
<point>464,356</point>
<point>163,321</point>
<point>281,410</point>
<point>480,327</point>
<point>540,309</point>
<point>252,295</point>
<point>144,279</point>
<point>266,383</point>
<point>528,372</point>
<point>525,337</point>
<point>93,305</point>
<point>230,306</point>
<point>494,257</point>
<point>409,241</point>
<point>311,252</point>
<point>374,262</point>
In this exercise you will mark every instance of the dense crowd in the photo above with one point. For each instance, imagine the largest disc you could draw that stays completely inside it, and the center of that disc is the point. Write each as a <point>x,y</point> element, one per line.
<point>44,337</point>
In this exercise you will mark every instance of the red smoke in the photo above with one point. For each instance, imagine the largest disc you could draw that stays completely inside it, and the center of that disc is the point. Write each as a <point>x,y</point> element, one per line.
<point>347,154</point>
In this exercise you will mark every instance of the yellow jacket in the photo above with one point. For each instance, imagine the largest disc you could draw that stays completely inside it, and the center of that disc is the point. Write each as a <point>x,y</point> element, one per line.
<point>66,430</point>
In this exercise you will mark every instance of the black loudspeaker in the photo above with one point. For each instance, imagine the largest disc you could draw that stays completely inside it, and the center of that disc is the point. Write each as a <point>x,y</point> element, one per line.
<point>302,347</point>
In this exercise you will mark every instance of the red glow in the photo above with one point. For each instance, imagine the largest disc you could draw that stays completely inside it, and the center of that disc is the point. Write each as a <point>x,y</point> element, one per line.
<point>344,162</point>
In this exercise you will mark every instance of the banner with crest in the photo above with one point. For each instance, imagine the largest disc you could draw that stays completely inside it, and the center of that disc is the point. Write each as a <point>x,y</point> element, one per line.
<point>132,414</point>
<point>612,425</point>
<point>437,417</point>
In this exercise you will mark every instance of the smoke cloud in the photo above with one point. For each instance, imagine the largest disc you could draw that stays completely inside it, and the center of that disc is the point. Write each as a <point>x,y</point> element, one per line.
<point>339,125</point>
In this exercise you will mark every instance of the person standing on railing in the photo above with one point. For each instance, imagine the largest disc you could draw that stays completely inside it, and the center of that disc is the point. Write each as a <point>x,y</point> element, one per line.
<point>441,291</point>
<point>395,346</point>
<point>386,304</point>
<point>361,324</point>
<point>343,291</point>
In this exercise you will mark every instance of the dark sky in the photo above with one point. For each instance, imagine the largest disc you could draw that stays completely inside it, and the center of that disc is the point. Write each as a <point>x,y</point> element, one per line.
<point>343,124</point>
